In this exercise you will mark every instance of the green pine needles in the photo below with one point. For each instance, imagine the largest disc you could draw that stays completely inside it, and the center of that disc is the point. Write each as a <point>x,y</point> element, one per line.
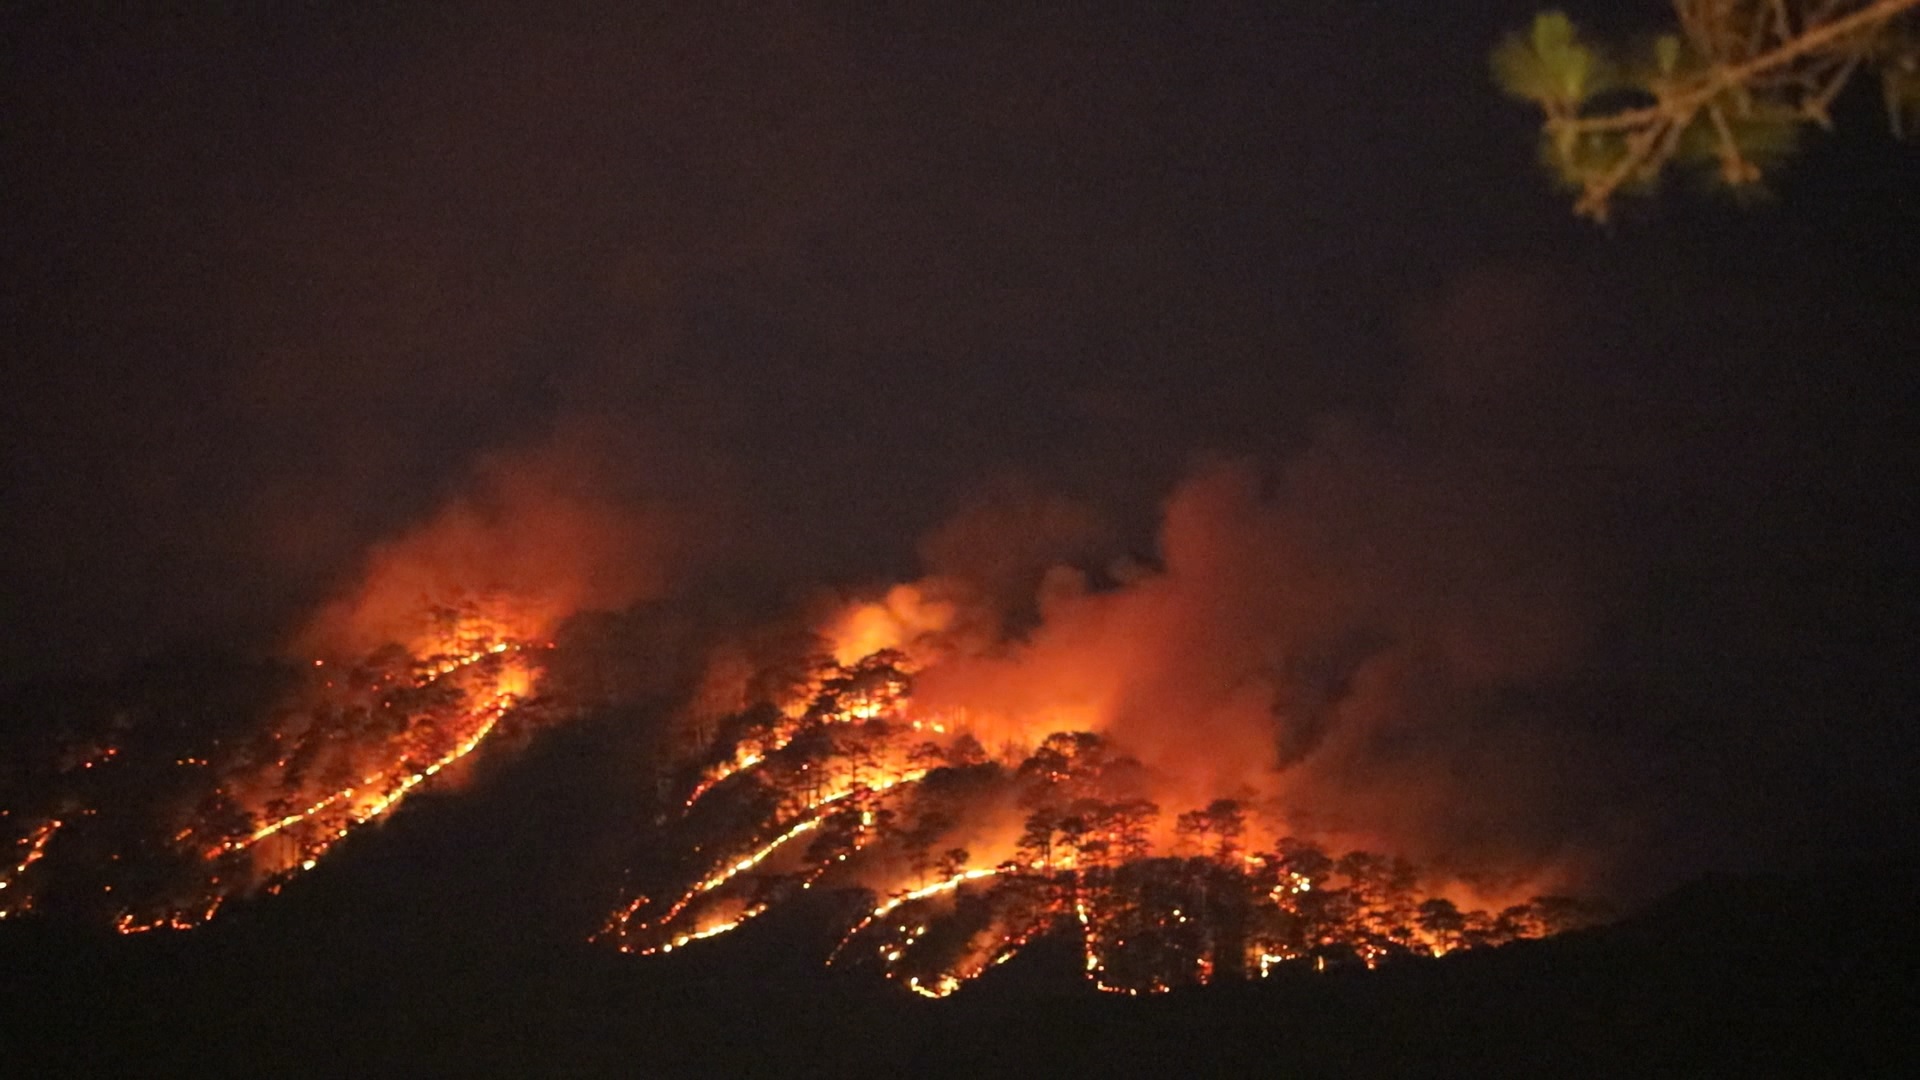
<point>1727,94</point>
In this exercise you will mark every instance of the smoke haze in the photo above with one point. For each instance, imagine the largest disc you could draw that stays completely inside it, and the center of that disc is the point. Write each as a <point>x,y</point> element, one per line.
<point>1227,381</point>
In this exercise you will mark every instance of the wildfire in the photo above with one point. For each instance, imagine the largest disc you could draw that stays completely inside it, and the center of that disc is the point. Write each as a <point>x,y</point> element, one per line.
<point>925,892</point>
<point>848,695</point>
<point>346,751</point>
<point>388,788</point>
<point>16,901</point>
<point>1076,848</point>
<point>474,679</point>
<point>621,927</point>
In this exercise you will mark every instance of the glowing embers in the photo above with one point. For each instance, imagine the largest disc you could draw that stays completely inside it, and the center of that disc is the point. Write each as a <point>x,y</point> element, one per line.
<point>873,689</point>
<point>856,819</point>
<point>36,848</point>
<point>823,766</point>
<point>1077,850</point>
<point>897,941</point>
<point>415,717</point>
<point>15,898</point>
<point>373,796</point>
<point>128,923</point>
<point>479,708</point>
<point>156,823</point>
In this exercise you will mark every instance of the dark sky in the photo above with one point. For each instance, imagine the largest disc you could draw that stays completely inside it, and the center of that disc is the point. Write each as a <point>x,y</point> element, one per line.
<point>278,277</point>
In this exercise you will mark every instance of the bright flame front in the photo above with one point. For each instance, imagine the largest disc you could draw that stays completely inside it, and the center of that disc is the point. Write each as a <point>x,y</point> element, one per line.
<point>971,857</point>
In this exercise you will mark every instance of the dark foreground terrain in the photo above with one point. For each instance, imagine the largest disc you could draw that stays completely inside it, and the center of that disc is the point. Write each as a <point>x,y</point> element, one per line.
<point>449,943</point>
<point>1738,977</point>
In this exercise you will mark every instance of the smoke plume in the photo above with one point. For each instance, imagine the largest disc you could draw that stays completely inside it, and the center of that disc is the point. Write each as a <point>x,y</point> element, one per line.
<point>536,536</point>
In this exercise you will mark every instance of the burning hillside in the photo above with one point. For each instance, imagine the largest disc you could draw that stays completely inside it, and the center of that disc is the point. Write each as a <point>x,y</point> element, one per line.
<point>966,856</point>
<point>155,825</point>
<point>1159,758</point>
<point>153,813</point>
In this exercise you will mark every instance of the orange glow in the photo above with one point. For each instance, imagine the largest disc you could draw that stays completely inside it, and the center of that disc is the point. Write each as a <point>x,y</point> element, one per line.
<point>392,724</point>
<point>18,900</point>
<point>899,620</point>
<point>622,928</point>
<point>1143,895</point>
<point>484,700</point>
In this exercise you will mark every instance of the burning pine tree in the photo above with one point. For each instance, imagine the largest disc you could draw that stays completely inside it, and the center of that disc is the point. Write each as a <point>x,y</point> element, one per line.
<point>963,857</point>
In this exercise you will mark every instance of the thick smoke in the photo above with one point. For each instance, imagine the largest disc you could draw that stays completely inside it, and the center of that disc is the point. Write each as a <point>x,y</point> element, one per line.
<point>1378,639</point>
<point>536,536</point>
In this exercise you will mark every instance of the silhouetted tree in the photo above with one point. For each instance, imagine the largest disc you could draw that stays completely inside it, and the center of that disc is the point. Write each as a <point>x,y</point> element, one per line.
<point>1215,830</point>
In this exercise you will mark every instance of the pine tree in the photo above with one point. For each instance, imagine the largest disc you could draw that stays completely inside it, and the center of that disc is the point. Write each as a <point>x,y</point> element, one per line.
<point>1729,92</point>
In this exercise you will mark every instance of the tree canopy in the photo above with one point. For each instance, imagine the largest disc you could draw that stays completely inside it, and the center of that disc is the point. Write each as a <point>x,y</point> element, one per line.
<point>1728,92</point>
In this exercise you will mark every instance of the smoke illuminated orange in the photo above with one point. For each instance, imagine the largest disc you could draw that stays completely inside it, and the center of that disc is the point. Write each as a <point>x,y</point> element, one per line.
<point>1071,844</point>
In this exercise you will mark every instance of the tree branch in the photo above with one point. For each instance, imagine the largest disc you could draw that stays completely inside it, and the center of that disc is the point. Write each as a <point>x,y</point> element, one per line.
<point>1719,79</point>
<point>1653,132</point>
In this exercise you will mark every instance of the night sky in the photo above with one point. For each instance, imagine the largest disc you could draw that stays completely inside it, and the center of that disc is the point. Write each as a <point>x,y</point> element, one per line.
<point>796,286</point>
